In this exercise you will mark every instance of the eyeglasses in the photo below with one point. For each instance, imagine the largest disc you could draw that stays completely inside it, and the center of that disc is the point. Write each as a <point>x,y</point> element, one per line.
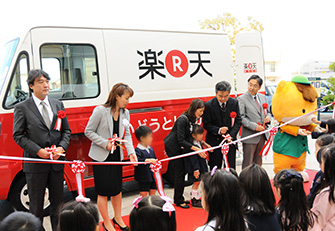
<point>255,86</point>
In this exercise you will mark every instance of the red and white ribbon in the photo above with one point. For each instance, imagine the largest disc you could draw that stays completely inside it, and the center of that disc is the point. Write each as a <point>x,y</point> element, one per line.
<point>60,116</point>
<point>233,116</point>
<point>155,168</point>
<point>114,139</point>
<point>78,167</point>
<point>225,150</point>
<point>265,150</point>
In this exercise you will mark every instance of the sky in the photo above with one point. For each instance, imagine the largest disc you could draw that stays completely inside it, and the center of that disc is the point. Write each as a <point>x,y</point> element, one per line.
<point>295,31</point>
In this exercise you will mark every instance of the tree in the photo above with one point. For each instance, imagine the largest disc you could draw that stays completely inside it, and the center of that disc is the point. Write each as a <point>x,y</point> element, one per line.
<point>332,66</point>
<point>329,97</point>
<point>232,26</point>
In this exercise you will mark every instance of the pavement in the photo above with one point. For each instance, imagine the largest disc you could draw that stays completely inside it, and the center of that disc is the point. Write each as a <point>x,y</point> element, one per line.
<point>132,192</point>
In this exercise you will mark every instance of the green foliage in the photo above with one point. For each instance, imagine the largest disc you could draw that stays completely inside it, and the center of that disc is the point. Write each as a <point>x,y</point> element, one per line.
<point>232,26</point>
<point>332,66</point>
<point>329,97</point>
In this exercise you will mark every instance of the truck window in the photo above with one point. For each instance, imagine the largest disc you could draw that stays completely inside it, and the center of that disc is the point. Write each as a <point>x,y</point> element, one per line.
<point>72,69</point>
<point>18,90</point>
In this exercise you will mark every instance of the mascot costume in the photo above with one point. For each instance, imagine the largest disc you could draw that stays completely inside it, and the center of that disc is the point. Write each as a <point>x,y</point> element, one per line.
<point>290,145</point>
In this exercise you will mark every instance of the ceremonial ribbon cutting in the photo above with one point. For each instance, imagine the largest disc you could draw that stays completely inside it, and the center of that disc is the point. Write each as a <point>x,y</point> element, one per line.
<point>78,167</point>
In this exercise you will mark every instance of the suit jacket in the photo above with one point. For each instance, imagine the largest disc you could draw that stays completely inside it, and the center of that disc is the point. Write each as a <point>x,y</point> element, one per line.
<point>31,133</point>
<point>179,138</point>
<point>212,120</point>
<point>143,172</point>
<point>251,116</point>
<point>100,127</point>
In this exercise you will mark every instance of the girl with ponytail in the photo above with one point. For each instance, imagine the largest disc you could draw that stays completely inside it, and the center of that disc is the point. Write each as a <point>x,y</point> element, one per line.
<point>294,214</point>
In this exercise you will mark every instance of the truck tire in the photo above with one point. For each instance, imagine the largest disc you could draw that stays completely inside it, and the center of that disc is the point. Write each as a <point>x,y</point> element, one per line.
<point>19,198</point>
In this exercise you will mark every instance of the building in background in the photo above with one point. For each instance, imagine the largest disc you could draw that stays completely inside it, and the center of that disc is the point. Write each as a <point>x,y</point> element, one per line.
<point>316,68</point>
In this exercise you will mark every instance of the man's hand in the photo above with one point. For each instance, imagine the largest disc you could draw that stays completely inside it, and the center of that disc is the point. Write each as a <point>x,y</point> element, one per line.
<point>44,154</point>
<point>133,158</point>
<point>201,154</point>
<point>260,128</point>
<point>267,120</point>
<point>223,130</point>
<point>196,174</point>
<point>55,155</point>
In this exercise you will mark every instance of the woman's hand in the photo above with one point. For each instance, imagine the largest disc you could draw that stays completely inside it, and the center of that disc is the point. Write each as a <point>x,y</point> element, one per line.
<point>110,146</point>
<point>201,154</point>
<point>133,158</point>
<point>196,174</point>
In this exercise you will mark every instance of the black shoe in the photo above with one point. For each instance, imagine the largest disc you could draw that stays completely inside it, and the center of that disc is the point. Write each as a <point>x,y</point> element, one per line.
<point>183,205</point>
<point>122,228</point>
<point>104,227</point>
<point>187,202</point>
<point>196,203</point>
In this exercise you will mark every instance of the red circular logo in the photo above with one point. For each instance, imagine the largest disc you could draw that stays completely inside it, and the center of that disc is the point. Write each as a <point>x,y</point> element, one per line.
<point>176,63</point>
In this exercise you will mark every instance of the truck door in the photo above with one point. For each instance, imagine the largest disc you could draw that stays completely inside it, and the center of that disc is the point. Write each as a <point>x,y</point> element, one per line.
<point>249,59</point>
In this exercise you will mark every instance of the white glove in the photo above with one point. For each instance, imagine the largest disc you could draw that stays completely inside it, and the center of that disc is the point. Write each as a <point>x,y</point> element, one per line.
<point>303,132</point>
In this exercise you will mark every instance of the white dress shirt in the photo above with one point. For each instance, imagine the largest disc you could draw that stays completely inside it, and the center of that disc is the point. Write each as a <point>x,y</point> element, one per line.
<point>140,146</point>
<point>40,107</point>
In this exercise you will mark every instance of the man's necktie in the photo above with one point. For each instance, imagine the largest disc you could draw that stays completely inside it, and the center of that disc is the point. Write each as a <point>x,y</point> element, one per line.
<point>257,103</point>
<point>45,114</point>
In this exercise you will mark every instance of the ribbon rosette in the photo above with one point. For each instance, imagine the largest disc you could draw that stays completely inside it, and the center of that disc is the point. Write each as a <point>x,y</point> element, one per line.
<point>115,139</point>
<point>265,150</point>
<point>155,168</point>
<point>60,116</point>
<point>167,207</point>
<point>78,167</point>
<point>225,150</point>
<point>233,116</point>
<point>265,107</point>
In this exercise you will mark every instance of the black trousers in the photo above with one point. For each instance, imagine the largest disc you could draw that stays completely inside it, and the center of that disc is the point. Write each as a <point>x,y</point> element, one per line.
<point>178,169</point>
<point>216,157</point>
<point>37,183</point>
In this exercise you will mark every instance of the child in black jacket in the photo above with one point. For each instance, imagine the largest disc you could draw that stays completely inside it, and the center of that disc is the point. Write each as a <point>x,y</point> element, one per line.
<point>195,166</point>
<point>145,153</point>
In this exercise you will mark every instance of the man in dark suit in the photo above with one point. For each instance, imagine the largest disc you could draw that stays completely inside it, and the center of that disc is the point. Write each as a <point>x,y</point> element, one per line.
<point>34,122</point>
<point>218,122</point>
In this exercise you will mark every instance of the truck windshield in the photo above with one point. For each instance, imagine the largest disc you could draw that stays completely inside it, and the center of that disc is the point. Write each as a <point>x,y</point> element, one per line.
<point>6,59</point>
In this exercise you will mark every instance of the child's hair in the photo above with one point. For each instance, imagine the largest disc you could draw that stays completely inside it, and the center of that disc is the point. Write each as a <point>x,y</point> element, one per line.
<point>257,197</point>
<point>142,131</point>
<point>78,216</point>
<point>6,208</point>
<point>21,221</point>
<point>197,129</point>
<point>222,194</point>
<point>233,171</point>
<point>325,140</point>
<point>149,215</point>
<point>328,158</point>
<point>331,126</point>
<point>320,153</point>
<point>292,207</point>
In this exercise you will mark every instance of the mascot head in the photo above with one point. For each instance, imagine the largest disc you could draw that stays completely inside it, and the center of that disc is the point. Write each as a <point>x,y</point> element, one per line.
<point>293,99</point>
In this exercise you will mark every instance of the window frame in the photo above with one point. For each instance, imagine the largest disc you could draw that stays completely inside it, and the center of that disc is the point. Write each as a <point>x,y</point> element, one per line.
<point>96,61</point>
<point>17,62</point>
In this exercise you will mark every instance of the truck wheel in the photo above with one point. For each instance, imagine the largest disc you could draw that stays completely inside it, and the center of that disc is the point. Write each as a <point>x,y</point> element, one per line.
<point>19,197</point>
